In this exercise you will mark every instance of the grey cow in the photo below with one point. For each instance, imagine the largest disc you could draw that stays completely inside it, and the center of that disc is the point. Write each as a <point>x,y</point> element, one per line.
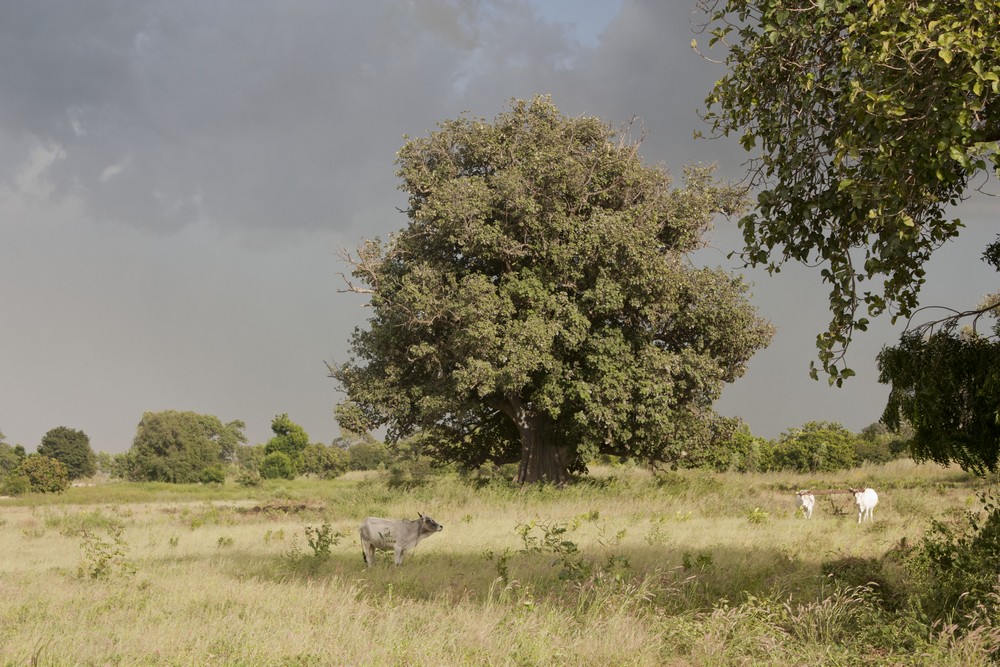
<point>400,535</point>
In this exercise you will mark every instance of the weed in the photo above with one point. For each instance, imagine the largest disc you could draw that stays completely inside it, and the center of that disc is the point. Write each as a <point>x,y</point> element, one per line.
<point>757,516</point>
<point>321,539</point>
<point>224,542</point>
<point>107,554</point>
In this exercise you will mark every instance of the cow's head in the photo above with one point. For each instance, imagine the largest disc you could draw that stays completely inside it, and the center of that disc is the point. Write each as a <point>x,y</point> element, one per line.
<point>429,525</point>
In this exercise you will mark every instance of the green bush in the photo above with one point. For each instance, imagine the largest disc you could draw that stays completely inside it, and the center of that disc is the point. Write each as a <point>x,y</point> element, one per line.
<point>368,456</point>
<point>815,447</point>
<point>44,474</point>
<point>956,565</point>
<point>212,475</point>
<point>277,465</point>
<point>15,485</point>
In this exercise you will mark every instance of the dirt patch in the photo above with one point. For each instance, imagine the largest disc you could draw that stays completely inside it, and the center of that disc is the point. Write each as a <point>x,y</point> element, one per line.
<point>283,507</point>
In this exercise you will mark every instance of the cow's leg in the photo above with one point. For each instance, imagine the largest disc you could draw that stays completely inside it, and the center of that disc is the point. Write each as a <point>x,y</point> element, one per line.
<point>369,554</point>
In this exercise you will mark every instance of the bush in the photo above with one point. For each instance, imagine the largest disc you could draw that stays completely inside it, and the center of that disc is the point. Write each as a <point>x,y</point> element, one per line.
<point>15,485</point>
<point>277,465</point>
<point>368,456</point>
<point>816,447</point>
<point>955,566</point>
<point>44,474</point>
<point>213,475</point>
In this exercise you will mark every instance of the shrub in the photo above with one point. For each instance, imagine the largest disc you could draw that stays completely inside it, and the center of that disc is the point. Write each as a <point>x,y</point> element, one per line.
<point>15,485</point>
<point>816,447</point>
<point>277,465</point>
<point>955,565</point>
<point>212,475</point>
<point>44,474</point>
<point>368,456</point>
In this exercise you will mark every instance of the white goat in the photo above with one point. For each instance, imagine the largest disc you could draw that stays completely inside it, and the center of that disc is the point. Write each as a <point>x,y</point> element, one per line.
<point>866,500</point>
<point>806,500</point>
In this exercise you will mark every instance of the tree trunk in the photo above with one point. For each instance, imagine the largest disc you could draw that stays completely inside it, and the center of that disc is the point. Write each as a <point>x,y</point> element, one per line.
<point>542,460</point>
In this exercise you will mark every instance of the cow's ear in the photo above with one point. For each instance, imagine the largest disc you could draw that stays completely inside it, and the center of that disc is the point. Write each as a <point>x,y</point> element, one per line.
<point>421,514</point>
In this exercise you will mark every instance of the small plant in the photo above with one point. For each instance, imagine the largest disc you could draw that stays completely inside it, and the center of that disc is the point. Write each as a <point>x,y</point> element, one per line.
<point>106,554</point>
<point>703,561</point>
<point>757,516</point>
<point>224,542</point>
<point>656,535</point>
<point>503,564</point>
<point>321,539</point>
<point>274,535</point>
<point>173,541</point>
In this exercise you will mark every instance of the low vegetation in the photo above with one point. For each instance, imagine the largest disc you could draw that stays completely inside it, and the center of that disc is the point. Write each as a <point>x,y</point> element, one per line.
<point>622,567</point>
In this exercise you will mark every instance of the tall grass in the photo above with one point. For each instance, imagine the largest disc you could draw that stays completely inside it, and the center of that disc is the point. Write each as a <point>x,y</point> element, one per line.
<point>624,568</point>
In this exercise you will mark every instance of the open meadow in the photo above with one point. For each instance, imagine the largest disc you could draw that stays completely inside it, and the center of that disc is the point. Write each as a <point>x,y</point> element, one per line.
<point>622,568</point>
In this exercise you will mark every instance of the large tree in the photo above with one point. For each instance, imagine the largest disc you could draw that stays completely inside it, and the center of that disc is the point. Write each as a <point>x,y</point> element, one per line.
<point>71,447</point>
<point>869,119</point>
<point>539,307</point>
<point>172,446</point>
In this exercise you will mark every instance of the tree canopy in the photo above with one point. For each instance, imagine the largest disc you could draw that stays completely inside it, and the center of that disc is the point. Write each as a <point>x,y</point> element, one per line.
<point>869,119</point>
<point>539,306</point>
<point>289,439</point>
<point>172,446</point>
<point>71,447</point>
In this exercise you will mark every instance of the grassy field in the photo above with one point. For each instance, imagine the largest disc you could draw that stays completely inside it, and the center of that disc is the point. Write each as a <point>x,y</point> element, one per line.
<point>622,569</point>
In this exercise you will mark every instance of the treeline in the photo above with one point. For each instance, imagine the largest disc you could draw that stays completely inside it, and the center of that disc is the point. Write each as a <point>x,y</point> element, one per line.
<point>816,446</point>
<point>187,447</point>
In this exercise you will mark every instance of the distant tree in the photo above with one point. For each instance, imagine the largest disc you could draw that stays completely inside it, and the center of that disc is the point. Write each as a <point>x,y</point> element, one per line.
<point>290,439</point>
<point>44,474</point>
<point>368,456</point>
<point>743,452</point>
<point>878,444</point>
<point>325,461</point>
<point>815,447</point>
<point>172,446</point>
<point>249,457</point>
<point>72,447</point>
<point>277,465</point>
<point>539,307</point>
<point>9,459</point>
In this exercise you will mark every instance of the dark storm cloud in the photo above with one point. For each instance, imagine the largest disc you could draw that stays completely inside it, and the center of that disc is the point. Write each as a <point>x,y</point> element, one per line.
<point>247,113</point>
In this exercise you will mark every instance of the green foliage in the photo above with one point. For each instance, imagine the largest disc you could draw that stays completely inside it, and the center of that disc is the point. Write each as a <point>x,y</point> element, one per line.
<point>758,516</point>
<point>177,447</point>
<point>815,447</point>
<point>368,456</point>
<point>955,566</point>
<point>15,484</point>
<point>72,448</point>
<point>539,307</point>
<point>326,462</point>
<point>869,119</point>
<point>249,457</point>
<point>213,475</point>
<point>321,538</point>
<point>105,551</point>
<point>289,439</point>
<point>10,458</point>
<point>947,386</point>
<point>277,465</point>
<point>44,474</point>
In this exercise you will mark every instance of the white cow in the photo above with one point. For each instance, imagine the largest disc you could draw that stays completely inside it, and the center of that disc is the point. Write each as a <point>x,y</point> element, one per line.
<point>866,500</point>
<point>396,535</point>
<point>806,500</point>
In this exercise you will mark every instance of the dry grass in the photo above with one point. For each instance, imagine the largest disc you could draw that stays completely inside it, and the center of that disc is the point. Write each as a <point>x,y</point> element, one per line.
<point>692,568</point>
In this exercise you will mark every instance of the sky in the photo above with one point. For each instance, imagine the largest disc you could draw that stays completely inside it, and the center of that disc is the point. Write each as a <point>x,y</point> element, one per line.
<point>177,178</point>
